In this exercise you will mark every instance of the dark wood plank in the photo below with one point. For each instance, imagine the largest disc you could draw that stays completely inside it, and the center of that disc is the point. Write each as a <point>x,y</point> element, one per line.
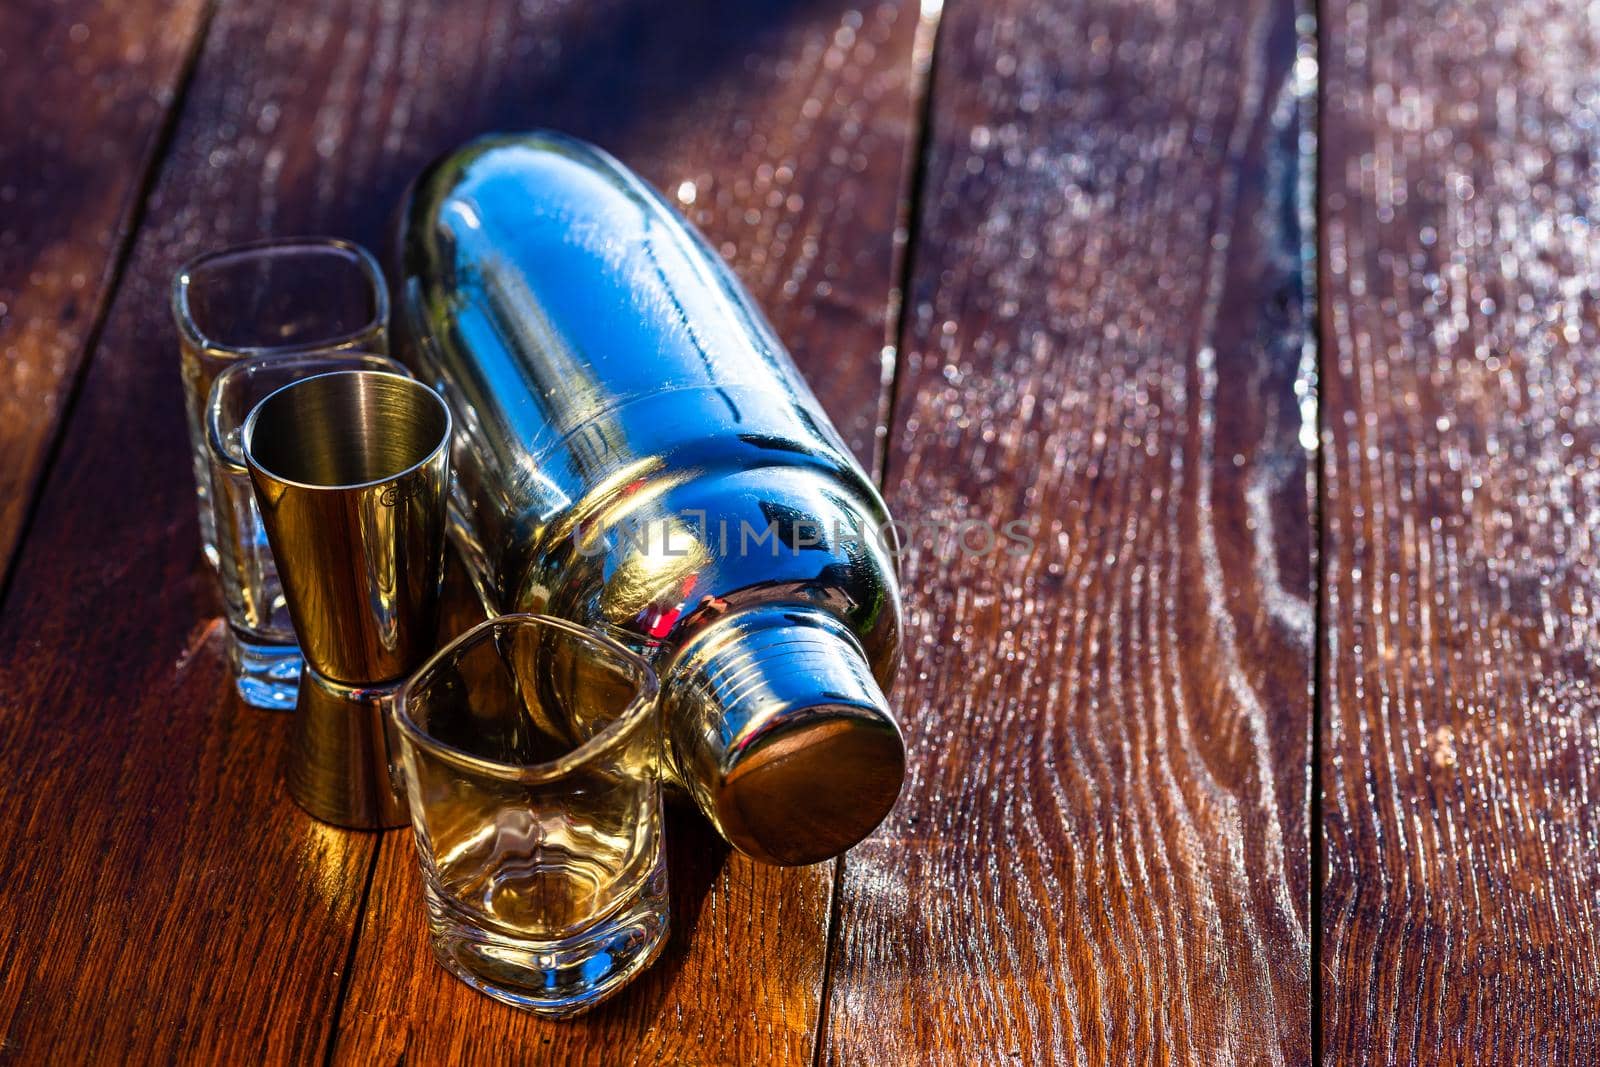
<point>1102,853</point>
<point>164,900</point>
<point>88,88</point>
<point>158,880</point>
<point>790,154</point>
<point>1460,454</point>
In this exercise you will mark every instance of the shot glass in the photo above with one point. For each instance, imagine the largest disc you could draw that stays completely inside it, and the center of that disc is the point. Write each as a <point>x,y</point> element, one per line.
<point>263,647</point>
<point>531,752</point>
<point>281,297</point>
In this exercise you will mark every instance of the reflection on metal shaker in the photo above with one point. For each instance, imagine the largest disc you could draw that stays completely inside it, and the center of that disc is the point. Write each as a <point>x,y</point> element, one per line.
<point>637,452</point>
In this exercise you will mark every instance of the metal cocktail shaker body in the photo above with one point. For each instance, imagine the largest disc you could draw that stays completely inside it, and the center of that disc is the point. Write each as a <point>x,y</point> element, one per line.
<point>636,451</point>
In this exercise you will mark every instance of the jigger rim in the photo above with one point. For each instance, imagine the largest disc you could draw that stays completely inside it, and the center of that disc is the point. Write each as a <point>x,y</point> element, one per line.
<point>217,440</point>
<point>641,707</point>
<point>247,433</point>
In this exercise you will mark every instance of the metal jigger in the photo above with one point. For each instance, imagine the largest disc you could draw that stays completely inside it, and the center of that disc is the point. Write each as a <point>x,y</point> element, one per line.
<point>351,471</point>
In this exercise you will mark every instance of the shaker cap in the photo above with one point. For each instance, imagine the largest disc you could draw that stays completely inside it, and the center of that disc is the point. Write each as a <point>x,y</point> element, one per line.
<point>785,736</point>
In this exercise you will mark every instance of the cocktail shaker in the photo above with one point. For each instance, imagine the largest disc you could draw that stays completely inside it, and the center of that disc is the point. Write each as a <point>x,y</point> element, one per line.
<point>636,452</point>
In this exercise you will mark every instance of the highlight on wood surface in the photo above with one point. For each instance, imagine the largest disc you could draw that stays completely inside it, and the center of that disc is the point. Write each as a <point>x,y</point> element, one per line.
<point>1103,850</point>
<point>1459,470</point>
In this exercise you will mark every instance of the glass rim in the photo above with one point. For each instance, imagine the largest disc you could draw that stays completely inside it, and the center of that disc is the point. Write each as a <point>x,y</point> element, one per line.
<point>640,707</point>
<point>445,438</point>
<point>365,261</point>
<point>214,437</point>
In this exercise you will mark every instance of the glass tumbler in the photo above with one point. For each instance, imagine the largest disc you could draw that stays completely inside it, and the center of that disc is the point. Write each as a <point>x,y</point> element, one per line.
<point>531,751</point>
<point>280,297</point>
<point>264,649</point>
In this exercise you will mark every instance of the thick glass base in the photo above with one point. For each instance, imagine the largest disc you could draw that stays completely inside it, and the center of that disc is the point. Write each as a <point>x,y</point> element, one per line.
<point>555,979</point>
<point>267,675</point>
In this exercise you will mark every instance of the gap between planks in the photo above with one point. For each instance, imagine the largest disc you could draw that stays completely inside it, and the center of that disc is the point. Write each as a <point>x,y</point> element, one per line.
<point>924,59</point>
<point>120,256</point>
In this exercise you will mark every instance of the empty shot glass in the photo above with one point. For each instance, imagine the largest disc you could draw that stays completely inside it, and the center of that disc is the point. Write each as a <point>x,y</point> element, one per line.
<point>263,647</point>
<point>279,297</point>
<point>531,751</point>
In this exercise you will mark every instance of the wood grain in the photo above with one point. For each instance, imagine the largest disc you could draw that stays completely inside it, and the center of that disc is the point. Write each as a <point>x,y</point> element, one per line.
<point>157,878</point>
<point>1102,852</point>
<point>88,87</point>
<point>1462,470</point>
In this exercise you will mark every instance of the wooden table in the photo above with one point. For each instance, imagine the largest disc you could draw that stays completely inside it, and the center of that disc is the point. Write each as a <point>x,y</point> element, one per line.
<point>1291,373</point>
